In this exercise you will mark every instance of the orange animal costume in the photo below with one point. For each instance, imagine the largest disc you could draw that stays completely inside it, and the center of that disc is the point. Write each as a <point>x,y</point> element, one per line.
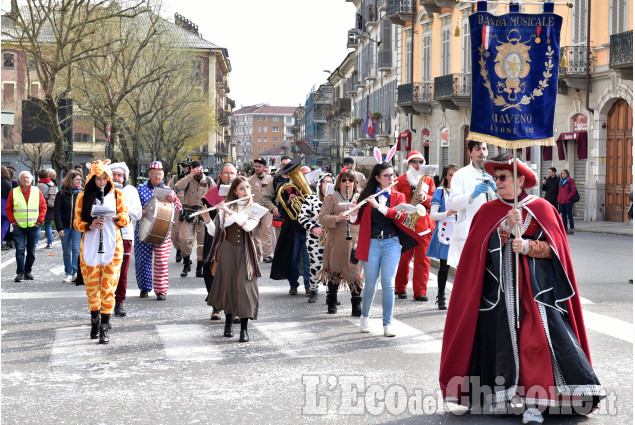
<point>101,271</point>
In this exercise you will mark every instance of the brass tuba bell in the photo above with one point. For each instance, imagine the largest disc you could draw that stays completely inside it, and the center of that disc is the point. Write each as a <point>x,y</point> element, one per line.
<point>299,183</point>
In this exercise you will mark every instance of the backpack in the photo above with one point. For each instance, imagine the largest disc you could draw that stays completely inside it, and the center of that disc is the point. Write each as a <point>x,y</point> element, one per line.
<point>50,197</point>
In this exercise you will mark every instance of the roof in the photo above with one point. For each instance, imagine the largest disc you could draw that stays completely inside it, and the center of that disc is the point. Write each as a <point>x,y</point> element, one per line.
<point>265,110</point>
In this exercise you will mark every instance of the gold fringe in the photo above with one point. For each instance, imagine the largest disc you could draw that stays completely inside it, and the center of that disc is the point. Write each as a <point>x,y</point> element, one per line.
<point>509,144</point>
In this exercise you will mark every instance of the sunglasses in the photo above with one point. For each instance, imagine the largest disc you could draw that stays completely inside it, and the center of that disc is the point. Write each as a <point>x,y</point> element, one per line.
<point>349,180</point>
<point>388,176</point>
<point>500,178</point>
<point>417,162</point>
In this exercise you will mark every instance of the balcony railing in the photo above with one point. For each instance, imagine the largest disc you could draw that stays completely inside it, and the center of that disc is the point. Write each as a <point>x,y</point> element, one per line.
<point>399,11</point>
<point>411,93</point>
<point>384,60</point>
<point>575,60</point>
<point>452,85</point>
<point>621,49</point>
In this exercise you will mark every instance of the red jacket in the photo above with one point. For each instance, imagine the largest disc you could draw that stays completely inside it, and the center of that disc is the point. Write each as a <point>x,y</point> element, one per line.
<point>9,206</point>
<point>363,241</point>
<point>424,224</point>
<point>566,192</point>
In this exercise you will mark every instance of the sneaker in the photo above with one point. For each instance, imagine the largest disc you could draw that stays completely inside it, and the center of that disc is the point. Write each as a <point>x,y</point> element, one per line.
<point>307,291</point>
<point>161,297</point>
<point>19,277</point>
<point>48,246</point>
<point>68,278</point>
<point>364,326</point>
<point>388,331</point>
<point>74,278</point>
<point>28,276</point>
<point>293,291</point>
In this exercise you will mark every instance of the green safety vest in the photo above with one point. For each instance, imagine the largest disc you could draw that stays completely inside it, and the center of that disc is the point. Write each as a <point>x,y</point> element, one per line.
<point>26,213</point>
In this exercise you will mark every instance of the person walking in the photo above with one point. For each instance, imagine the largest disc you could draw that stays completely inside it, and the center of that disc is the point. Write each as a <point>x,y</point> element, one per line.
<point>259,183</point>
<point>100,269</point>
<point>119,172</point>
<point>235,288</point>
<point>26,210</point>
<point>49,191</point>
<point>565,203</point>
<point>184,170</point>
<point>337,269</point>
<point>308,218</point>
<point>445,219</point>
<point>64,213</point>
<point>382,239</point>
<point>6,189</point>
<point>551,187</point>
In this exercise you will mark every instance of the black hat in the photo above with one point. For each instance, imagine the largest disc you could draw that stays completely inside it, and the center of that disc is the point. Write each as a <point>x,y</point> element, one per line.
<point>348,160</point>
<point>261,160</point>
<point>184,164</point>
<point>290,166</point>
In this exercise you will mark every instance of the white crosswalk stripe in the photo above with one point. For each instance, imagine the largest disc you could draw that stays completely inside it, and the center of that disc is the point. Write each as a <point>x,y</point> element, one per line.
<point>188,343</point>
<point>72,348</point>
<point>410,340</point>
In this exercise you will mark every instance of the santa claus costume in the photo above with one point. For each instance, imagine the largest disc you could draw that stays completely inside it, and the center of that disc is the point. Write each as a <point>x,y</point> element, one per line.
<point>407,183</point>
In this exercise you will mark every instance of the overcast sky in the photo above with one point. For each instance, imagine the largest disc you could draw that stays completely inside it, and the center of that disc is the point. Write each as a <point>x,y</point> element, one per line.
<point>278,48</point>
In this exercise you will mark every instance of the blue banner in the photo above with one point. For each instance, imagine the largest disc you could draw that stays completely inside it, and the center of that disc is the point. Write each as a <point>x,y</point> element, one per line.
<point>514,78</point>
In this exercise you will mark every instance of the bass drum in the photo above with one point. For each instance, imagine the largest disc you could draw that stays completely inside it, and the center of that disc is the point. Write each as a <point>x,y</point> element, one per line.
<point>155,226</point>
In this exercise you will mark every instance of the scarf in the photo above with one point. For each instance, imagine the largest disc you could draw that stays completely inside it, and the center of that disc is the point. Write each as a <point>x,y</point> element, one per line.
<point>563,182</point>
<point>45,181</point>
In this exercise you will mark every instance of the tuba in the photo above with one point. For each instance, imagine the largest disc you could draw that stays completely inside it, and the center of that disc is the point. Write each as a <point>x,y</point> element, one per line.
<point>299,183</point>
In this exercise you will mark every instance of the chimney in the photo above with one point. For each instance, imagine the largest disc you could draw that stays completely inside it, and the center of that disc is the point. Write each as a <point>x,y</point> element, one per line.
<point>182,22</point>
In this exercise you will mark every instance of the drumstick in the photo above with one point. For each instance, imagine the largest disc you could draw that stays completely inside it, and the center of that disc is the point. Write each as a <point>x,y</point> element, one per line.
<point>216,207</point>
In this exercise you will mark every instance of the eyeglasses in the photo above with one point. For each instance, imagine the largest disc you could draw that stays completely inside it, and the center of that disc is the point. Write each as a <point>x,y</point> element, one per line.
<point>500,178</point>
<point>348,179</point>
<point>417,162</point>
<point>388,176</point>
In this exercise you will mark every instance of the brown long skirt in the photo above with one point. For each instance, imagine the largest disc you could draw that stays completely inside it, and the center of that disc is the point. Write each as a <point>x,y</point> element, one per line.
<point>231,291</point>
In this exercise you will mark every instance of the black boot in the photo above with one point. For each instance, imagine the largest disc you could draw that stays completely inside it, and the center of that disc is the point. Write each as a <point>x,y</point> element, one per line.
<point>442,280</point>
<point>119,310</point>
<point>313,297</point>
<point>94,324</point>
<point>244,336</point>
<point>104,328</point>
<point>331,302</point>
<point>186,266</point>
<point>356,304</point>
<point>179,257</point>
<point>199,269</point>
<point>229,332</point>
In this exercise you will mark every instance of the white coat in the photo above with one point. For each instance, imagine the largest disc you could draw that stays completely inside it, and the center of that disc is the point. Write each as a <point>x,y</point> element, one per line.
<point>134,211</point>
<point>461,188</point>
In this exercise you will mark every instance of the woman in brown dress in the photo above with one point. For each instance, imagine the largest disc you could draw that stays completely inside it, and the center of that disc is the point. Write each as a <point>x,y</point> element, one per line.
<point>233,256</point>
<point>337,270</point>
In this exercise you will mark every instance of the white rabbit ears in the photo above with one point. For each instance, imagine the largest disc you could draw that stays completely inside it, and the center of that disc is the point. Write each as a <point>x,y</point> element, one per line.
<point>379,158</point>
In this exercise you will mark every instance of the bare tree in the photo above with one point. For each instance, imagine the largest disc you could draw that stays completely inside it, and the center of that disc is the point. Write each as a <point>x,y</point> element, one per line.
<point>34,155</point>
<point>53,34</point>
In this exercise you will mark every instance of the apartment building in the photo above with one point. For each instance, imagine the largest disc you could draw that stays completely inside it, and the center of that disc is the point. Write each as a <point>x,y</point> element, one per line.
<point>258,128</point>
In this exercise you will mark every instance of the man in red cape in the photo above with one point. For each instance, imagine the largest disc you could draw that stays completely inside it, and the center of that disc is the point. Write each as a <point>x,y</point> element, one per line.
<point>546,361</point>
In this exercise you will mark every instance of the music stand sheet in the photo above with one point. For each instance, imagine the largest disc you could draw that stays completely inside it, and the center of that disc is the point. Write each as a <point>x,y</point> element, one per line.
<point>407,208</point>
<point>256,211</point>
<point>102,210</point>
<point>160,193</point>
<point>223,189</point>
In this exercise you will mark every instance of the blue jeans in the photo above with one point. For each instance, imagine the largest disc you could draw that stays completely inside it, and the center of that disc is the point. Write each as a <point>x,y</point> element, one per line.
<point>25,240</point>
<point>49,232</point>
<point>383,255</point>
<point>299,244</point>
<point>566,210</point>
<point>70,247</point>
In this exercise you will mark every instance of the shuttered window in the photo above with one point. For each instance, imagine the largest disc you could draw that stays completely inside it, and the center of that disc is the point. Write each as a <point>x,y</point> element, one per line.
<point>407,79</point>
<point>466,65</point>
<point>445,51</point>
<point>619,19</point>
<point>578,35</point>
<point>426,58</point>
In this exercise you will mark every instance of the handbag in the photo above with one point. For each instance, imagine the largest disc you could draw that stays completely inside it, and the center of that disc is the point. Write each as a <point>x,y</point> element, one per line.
<point>576,197</point>
<point>353,258</point>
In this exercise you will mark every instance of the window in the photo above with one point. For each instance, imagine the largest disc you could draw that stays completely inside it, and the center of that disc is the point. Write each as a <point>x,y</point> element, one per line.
<point>9,61</point>
<point>618,16</point>
<point>275,119</point>
<point>275,139</point>
<point>288,120</point>
<point>259,117</point>
<point>259,139</point>
<point>445,51</point>
<point>259,128</point>
<point>264,118</point>
<point>466,66</point>
<point>264,129</point>
<point>35,89</point>
<point>8,94</point>
<point>408,60</point>
<point>578,34</point>
<point>426,58</point>
<point>265,140</point>
<point>275,129</point>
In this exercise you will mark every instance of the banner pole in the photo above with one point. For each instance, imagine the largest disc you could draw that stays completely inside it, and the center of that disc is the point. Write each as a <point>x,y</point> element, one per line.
<point>516,255</point>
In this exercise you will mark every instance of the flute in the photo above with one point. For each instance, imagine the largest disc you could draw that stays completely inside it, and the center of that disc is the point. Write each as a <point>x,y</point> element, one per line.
<point>350,210</point>
<point>216,207</point>
<point>348,223</point>
<point>101,249</point>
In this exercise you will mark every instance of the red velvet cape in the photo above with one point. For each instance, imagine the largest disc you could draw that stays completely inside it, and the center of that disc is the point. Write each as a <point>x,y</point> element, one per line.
<point>463,311</point>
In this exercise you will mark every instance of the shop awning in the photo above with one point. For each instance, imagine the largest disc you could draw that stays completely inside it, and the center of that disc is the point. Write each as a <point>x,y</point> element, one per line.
<point>580,137</point>
<point>406,136</point>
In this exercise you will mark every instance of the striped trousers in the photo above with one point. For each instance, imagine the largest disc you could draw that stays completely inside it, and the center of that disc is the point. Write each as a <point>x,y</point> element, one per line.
<point>144,253</point>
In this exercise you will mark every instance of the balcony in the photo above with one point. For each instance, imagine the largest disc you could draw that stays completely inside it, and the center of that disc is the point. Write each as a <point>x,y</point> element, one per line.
<point>415,98</point>
<point>399,11</point>
<point>453,91</point>
<point>370,15</point>
<point>351,38</point>
<point>435,6</point>
<point>343,107</point>
<point>349,86</point>
<point>371,75</point>
<point>621,53</point>
<point>573,67</point>
<point>384,60</point>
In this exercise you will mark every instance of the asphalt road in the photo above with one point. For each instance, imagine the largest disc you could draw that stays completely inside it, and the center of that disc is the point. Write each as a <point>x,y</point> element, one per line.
<point>167,363</point>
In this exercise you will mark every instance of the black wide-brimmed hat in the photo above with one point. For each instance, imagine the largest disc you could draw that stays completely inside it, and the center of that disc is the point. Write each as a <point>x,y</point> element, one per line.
<point>290,166</point>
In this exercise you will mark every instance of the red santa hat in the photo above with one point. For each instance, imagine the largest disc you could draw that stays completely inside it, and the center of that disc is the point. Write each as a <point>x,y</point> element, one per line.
<point>414,155</point>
